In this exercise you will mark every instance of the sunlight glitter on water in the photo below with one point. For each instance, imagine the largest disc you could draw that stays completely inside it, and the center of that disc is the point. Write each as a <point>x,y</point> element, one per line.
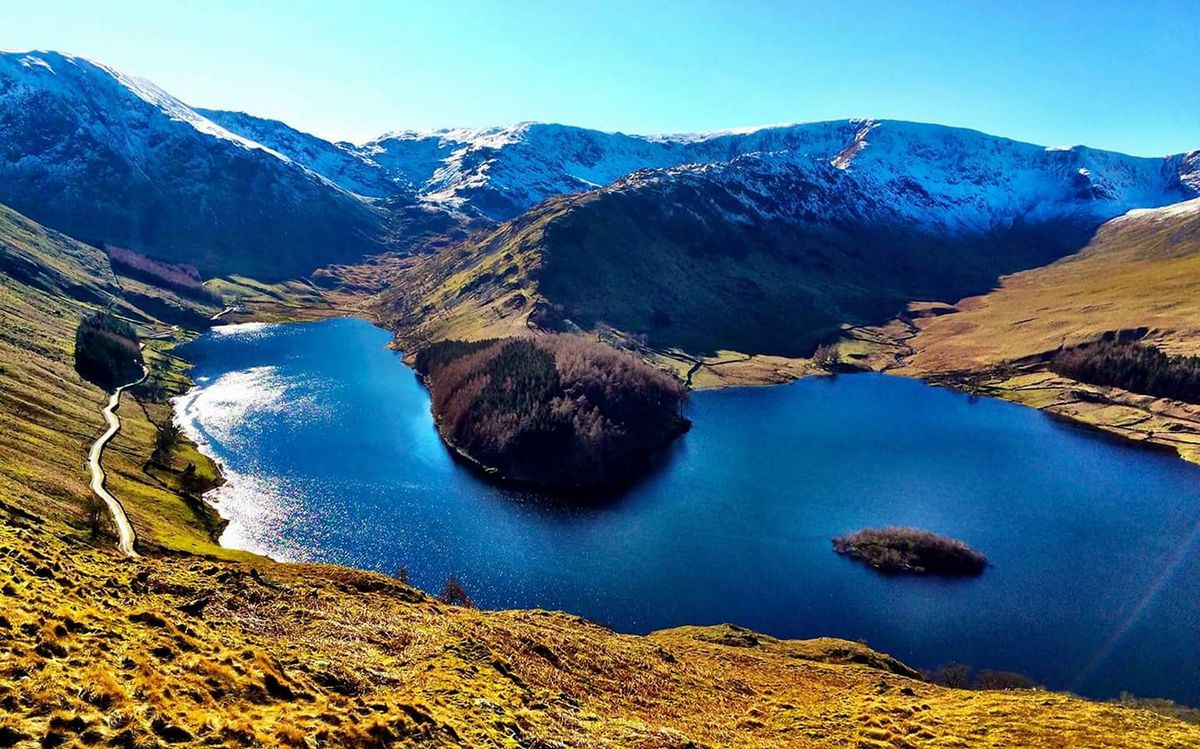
<point>226,401</point>
<point>240,329</point>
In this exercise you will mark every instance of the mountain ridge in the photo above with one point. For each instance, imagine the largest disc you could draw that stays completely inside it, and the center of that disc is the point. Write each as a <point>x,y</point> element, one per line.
<point>455,167</point>
<point>113,158</point>
<point>771,252</point>
<point>109,158</point>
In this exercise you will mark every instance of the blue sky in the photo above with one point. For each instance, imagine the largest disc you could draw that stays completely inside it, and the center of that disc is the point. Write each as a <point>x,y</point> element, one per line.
<point>1114,75</point>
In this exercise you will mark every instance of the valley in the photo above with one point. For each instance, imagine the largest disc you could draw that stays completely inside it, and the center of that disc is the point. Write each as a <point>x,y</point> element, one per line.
<point>194,642</point>
<point>623,275</point>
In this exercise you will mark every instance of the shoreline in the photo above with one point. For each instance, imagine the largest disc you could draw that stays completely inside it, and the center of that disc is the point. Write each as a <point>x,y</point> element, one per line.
<point>205,446</point>
<point>759,371</point>
<point>1105,412</point>
<point>202,446</point>
<point>227,478</point>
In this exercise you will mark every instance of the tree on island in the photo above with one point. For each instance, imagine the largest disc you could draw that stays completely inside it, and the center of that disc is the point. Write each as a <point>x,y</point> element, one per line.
<point>911,550</point>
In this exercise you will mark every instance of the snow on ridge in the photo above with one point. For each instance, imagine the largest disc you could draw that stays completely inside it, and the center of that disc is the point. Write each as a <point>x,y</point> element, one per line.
<point>1174,210</point>
<point>529,162</point>
<point>72,76</point>
<point>501,171</point>
<point>141,88</point>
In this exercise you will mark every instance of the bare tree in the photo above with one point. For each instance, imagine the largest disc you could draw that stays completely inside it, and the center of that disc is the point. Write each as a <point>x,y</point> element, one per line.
<point>99,521</point>
<point>955,675</point>
<point>454,594</point>
<point>826,356</point>
<point>1004,680</point>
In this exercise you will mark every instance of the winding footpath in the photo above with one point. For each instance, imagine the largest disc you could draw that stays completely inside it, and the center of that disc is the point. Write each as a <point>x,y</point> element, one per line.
<point>126,537</point>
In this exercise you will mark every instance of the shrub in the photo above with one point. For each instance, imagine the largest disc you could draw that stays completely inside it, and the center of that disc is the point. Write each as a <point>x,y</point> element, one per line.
<point>962,676</point>
<point>557,411</point>
<point>1000,680</point>
<point>106,351</point>
<point>1131,366</point>
<point>911,550</point>
<point>98,518</point>
<point>454,594</point>
<point>1161,706</point>
<point>953,675</point>
<point>193,484</point>
<point>826,356</point>
<point>164,442</point>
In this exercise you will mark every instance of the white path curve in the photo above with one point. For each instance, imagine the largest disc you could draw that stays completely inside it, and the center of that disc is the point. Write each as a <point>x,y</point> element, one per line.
<point>126,537</point>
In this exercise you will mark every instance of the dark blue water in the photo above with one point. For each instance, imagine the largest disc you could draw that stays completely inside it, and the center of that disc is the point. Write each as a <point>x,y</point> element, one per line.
<point>1096,578</point>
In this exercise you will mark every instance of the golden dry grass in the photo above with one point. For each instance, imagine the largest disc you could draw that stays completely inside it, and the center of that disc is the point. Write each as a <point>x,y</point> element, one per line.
<point>51,416</point>
<point>1141,270</point>
<point>96,649</point>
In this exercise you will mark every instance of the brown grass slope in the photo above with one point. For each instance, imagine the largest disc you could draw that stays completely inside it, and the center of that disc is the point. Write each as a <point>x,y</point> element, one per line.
<point>1140,274</point>
<point>184,648</point>
<point>96,650</point>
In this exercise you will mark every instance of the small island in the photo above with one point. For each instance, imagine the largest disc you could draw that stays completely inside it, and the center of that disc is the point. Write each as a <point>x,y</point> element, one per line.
<point>895,549</point>
<point>557,412</point>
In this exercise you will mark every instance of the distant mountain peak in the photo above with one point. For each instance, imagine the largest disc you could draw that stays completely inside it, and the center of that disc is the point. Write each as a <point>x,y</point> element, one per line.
<point>43,63</point>
<point>108,157</point>
<point>67,121</point>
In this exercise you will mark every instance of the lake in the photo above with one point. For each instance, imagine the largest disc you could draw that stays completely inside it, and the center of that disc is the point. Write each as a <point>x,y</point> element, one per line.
<point>332,456</point>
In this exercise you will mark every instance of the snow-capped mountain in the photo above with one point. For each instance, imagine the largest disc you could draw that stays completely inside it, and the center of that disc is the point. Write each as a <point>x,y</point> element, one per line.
<point>951,179</point>
<point>338,164</point>
<point>107,157</point>
<point>772,251</point>
<point>501,172</point>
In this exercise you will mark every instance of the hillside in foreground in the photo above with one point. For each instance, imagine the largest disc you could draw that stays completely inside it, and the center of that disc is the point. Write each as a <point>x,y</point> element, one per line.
<point>184,649</point>
<point>193,644</point>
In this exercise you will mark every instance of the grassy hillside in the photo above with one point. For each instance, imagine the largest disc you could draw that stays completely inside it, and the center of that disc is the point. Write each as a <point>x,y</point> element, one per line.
<point>192,651</point>
<point>196,645</point>
<point>52,415</point>
<point>705,274</point>
<point>1139,271</point>
<point>1140,274</point>
<point>681,261</point>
